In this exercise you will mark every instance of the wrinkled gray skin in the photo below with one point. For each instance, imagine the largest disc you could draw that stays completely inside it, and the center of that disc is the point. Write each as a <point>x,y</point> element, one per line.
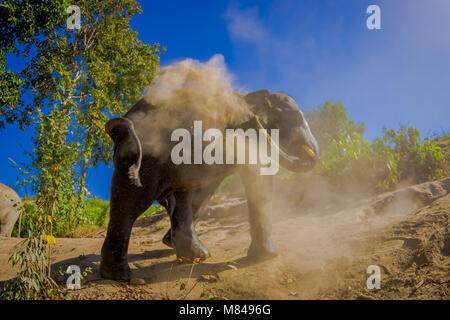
<point>140,178</point>
<point>10,209</point>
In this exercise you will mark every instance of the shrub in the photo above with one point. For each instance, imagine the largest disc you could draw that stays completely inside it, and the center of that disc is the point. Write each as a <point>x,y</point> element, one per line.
<point>419,160</point>
<point>350,162</point>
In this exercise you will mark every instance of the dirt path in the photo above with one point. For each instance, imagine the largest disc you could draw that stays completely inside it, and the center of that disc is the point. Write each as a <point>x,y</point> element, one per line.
<point>405,233</point>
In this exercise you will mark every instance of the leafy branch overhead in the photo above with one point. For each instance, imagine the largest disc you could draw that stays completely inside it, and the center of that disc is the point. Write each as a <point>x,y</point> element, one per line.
<point>89,74</point>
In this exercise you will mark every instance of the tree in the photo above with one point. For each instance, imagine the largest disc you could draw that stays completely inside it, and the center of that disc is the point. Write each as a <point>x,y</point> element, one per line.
<point>20,22</point>
<point>92,73</point>
<point>77,80</point>
<point>330,122</point>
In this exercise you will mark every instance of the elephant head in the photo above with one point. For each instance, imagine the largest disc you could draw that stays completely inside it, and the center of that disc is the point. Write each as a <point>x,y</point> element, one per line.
<point>298,148</point>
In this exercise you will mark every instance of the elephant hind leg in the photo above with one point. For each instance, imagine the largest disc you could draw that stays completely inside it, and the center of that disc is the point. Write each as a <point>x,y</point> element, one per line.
<point>183,236</point>
<point>169,203</point>
<point>199,198</point>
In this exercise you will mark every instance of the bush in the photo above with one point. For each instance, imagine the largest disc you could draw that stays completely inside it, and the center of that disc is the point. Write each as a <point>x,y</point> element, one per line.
<point>419,160</point>
<point>349,162</point>
<point>94,214</point>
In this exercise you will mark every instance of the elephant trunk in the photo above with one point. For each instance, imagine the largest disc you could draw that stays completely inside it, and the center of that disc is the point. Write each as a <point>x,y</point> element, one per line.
<point>295,164</point>
<point>291,162</point>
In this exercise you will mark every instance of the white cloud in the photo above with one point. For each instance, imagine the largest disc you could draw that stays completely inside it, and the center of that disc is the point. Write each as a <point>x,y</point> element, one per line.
<point>244,24</point>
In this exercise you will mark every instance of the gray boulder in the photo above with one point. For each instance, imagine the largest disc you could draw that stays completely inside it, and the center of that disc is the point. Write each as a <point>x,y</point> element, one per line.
<point>10,209</point>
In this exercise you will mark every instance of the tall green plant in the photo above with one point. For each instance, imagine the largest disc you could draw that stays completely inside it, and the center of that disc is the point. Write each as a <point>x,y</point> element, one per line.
<point>32,280</point>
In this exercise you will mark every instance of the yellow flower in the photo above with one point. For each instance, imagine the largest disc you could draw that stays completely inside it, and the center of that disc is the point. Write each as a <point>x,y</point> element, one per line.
<point>50,219</point>
<point>49,239</point>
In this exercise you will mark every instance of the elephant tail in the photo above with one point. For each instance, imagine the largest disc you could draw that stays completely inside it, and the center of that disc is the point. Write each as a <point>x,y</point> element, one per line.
<point>117,129</point>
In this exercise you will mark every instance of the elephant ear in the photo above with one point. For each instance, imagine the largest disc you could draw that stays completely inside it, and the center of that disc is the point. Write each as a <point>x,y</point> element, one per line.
<point>120,129</point>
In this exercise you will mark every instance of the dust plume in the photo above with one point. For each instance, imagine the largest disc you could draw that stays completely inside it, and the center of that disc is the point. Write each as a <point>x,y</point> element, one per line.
<point>202,89</point>
<point>315,223</point>
<point>187,91</point>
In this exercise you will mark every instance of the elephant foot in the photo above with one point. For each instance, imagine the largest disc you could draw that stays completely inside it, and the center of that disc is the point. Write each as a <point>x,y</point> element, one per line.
<point>167,239</point>
<point>114,268</point>
<point>188,247</point>
<point>115,272</point>
<point>261,252</point>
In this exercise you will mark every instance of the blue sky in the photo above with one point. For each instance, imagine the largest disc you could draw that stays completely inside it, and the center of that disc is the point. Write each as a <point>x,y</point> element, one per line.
<point>315,50</point>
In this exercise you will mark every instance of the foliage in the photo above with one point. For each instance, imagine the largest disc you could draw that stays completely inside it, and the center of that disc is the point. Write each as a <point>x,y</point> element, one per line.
<point>154,208</point>
<point>351,160</point>
<point>348,161</point>
<point>32,281</point>
<point>443,141</point>
<point>94,214</point>
<point>9,92</point>
<point>330,122</point>
<point>20,22</point>
<point>419,160</point>
<point>77,79</point>
<point>91,74</point>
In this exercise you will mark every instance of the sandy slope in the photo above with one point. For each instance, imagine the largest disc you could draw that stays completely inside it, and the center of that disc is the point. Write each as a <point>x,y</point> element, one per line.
<point>322,256</point>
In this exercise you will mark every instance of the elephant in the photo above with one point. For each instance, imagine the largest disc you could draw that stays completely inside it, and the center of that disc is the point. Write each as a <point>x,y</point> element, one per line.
<point>140,178</point>
<point>10,209</point>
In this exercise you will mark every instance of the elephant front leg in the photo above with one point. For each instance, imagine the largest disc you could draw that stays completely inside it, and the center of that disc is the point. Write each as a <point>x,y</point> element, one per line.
<point>183,237</point>
<point>114,263</point>
<point>259,198</point>
<point>127,202</point>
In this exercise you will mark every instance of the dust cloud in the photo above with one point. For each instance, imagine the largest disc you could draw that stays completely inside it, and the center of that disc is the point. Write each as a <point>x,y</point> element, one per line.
<point>316,222</point>
<point>202,89</point>
<point>187,91</point>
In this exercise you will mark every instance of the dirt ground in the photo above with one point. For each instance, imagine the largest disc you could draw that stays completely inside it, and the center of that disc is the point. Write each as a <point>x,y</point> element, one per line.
<point>321,255</point>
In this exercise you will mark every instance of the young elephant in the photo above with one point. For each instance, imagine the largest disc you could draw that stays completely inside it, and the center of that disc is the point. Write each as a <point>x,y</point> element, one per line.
<point>10,209</point>
<point>143,174</point>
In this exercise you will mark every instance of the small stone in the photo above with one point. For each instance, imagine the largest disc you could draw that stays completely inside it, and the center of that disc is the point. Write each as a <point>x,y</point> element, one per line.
<point>137,281</point>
